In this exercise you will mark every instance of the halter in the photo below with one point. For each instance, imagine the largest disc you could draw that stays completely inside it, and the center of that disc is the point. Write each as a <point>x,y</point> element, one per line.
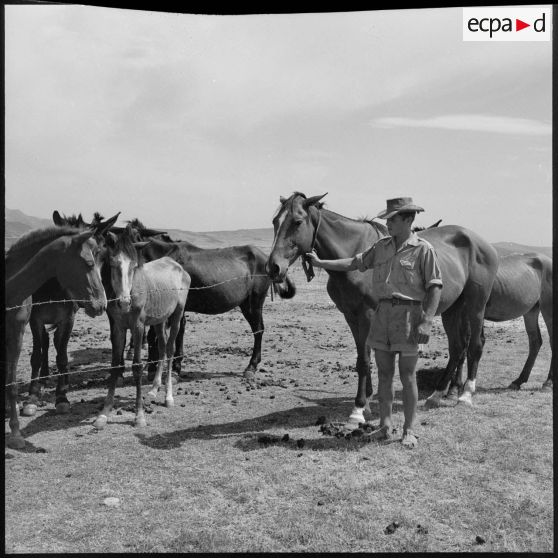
<point>306,263</point>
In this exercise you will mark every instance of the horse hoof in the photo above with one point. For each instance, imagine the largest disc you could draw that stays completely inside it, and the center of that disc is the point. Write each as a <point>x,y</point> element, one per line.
<point>169,403</point>
<point>467,401</point>
<point>141,422</point>
<point>514,387</point>
<point>29,409</point>
<point>62,408</point>
<point>432,403</point>
<point>16,442</point>
<point>249,374</point>
<point>101,422</point>
<point>151,394</point>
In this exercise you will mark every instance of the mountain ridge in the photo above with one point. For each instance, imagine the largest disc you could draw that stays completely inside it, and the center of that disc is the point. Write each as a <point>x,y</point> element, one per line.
<point>18,223</point>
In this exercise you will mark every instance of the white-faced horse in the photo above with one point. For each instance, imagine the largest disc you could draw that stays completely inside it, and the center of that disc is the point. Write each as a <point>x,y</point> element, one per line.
<point>140,295</point>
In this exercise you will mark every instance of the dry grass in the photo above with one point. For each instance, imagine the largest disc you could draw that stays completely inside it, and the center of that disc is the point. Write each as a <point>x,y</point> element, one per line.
<point>199,477</point>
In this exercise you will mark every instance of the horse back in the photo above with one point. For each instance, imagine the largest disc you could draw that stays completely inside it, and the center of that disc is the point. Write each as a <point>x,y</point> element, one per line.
<point>159,287</point>
<point>522,281</point>
<point>223,278</point>
<point>465,259</point>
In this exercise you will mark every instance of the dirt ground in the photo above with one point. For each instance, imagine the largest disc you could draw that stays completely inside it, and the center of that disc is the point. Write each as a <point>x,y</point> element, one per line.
<point>307,375</point>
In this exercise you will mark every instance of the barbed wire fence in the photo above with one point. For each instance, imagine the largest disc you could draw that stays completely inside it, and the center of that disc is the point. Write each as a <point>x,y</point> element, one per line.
<point>317,294</point>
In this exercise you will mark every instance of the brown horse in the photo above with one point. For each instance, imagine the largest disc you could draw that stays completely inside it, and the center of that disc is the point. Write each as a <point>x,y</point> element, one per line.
<point>523,287</point>
<point>222,279</point>
<point>38,256</point>
<point>53,306</point>
<point>141,295</point>
<point>468,265</point>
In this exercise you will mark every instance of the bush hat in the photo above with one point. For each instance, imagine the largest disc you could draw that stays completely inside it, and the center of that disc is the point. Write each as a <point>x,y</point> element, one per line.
<point>397,205</point>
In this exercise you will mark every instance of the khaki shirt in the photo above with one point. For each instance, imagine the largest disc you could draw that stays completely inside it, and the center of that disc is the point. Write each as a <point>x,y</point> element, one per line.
<point>405,273</point>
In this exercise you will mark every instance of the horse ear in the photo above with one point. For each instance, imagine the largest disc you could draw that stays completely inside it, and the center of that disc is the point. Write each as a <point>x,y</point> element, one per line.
<point>81,237</point>
<point>102,228</point>
<point>140,245</point>
<point>312,201</point>
<point>151,232</point>
<point>57,218</point>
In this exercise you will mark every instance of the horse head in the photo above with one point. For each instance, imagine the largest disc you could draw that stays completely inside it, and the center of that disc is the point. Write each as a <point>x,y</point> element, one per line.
<point>294,232</point>
<point>77,270</point>
<point>98,225</point>
<point>123,255</point>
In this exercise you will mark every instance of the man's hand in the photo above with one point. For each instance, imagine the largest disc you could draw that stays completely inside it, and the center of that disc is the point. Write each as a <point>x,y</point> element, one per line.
<point>423,331</point>
<point>312,257</point>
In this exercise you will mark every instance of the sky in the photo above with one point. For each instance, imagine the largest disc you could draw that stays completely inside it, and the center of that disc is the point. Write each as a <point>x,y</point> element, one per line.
<point>201,122</point>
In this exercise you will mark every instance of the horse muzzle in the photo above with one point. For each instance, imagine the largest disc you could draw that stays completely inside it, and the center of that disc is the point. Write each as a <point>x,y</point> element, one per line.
<point>274,271</point>
<point>95,308</point>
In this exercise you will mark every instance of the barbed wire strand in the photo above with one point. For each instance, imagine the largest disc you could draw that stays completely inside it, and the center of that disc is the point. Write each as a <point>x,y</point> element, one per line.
<point>141,292</point>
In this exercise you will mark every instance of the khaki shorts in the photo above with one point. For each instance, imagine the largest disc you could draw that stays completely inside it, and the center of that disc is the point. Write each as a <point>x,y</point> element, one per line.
<point>394,328</point>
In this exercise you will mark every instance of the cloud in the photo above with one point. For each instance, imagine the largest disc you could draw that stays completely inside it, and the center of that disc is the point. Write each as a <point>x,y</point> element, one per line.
<point>470,122</point>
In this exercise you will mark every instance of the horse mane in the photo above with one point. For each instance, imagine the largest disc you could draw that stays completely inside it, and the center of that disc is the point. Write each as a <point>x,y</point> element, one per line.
<point>380,228</point>
<point>290,199</point>
<point>137,224</point>
<point>74,220</point>
<point>97,218</point>
<point>125,243</point>
<point>36,236</point>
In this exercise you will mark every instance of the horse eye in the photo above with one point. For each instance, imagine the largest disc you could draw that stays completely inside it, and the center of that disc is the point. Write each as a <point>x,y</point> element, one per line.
<point>299,222</point>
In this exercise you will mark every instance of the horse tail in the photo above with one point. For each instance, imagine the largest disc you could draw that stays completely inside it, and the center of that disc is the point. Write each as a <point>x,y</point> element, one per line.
<point>285,289</point>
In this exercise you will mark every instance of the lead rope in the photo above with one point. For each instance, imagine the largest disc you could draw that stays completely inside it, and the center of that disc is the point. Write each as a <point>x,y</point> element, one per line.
<point>306,263</point>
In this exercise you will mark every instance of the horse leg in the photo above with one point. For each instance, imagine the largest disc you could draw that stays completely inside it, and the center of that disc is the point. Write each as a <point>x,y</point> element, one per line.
<point>152,354</point>
<point>252,311</point>
<point>161,331</point>
<point>120,363</point>
<point>474,349</point>
<point>176,323</point>
<point>179,346</point>
<point>130,350</point>
<point>137,334</point>
<point>360,328</point>
<point>531,320</point>
<point>61,339</point>
<point>14,341</point>
<point>456,385</point>
<point>546,311</point>
<point>118,341</point>
<point>38,365</point>
<point>458,335</point>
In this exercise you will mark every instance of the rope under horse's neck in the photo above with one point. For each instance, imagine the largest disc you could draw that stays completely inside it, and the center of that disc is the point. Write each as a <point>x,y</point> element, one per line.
<point>307,264</point>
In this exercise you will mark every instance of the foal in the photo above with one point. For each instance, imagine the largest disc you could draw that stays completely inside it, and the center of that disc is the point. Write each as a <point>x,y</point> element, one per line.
<point>141,295</point>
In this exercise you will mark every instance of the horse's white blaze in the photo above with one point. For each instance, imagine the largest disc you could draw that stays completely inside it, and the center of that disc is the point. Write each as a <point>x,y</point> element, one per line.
<point>280,220</point>
<point>123,286</point>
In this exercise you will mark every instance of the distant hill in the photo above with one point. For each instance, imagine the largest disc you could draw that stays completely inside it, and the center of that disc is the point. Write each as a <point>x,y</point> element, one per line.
<point>514,248</point>
<point>18,223</point>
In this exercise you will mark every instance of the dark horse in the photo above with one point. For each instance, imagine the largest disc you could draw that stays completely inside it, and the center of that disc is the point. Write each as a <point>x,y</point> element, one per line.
<point>222,279</point>
<point>52,306</point>
<point>523,287</point>
<point>468,265</point>
<point>68,254</point>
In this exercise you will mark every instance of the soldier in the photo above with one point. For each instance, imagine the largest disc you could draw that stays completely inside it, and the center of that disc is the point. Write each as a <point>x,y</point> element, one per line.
<point>408,282</point>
